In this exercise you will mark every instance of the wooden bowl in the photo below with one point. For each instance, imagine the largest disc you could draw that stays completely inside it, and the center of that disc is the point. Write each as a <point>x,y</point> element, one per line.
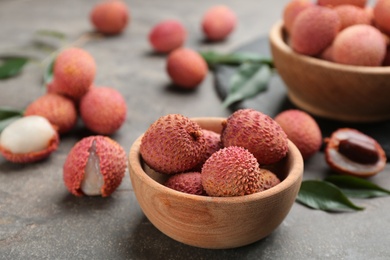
<point>331,90</point>
<point>215,222</point>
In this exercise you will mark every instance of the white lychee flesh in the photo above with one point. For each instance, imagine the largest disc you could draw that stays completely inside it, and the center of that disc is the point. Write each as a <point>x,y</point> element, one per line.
<point>27,134</point>
<point>93,179</point>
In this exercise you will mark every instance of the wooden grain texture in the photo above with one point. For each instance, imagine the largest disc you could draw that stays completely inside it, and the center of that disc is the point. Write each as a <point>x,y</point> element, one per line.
<point>331,90</point>
<point>215,222</point>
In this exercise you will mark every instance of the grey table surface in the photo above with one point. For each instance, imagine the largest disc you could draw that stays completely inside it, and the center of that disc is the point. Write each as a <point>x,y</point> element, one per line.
<point>40,219</point>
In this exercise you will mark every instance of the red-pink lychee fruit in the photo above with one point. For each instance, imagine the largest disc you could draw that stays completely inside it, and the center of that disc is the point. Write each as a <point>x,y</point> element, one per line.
<point>332,3</point>
<point>103,110</point>
<point>314,29</point>
<point>351,15</point>
<point>382,15</point>
<point>218,22</point>
<point>167,35</point>
<point>360,45</point>
<point>269,179</point>
<point>302,129</point>
<point>186,68</point>
<point>74,73</point>
<point>188,182</point>
<point>213,144</point>
<point>291,10</point>
<point>94,166</point>
<point>110,16</point>
<point>59,110</point>
<point>258,133</point>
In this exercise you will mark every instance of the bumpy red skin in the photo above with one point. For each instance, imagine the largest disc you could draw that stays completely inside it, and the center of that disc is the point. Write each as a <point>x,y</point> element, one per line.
<point>112,159</point>
<point>213,144</point>
<point>186,68</point>
<point>103,110</point>
<point>360,3</point>
<point>270,179</point>
<point>74,73</point>
<point>302,130</point>
<point>382,15</point>
<point>258,133</point>
<point>218,22</point>
<point>167,36</point>
<point>34,156</point>
<point>291,10</point>
<point>314,29</point>
<point>189,182</point>
<point>351,15</point>
<point>110,17</point>
<point>59,110</point>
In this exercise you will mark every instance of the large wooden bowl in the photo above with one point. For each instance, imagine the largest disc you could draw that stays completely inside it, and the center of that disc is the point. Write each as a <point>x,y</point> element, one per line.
<point>215,222</point>
<point>331,90</point>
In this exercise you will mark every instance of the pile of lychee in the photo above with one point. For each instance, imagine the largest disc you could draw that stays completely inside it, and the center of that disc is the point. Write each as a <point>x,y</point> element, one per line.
<point>342,31</point>
<point>202,162</point>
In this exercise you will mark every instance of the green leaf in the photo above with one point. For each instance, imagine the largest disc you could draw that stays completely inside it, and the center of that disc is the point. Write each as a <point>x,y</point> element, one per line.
<point>11,66</point>
<point>48,73</point>
<point>357,187</point>
<point>6,113</point>
<point>249,80</point>
<point>215,58</point>
<point>5,122</point>
<point>324,196</point>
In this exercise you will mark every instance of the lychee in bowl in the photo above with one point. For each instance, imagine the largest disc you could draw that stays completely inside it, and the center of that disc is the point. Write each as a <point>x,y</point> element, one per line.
<point>331,90</point>
<point>215,222</point>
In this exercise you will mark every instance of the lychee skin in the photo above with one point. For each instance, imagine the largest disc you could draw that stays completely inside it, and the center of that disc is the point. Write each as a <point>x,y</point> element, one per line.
<point>359,45</point>
<point>74,73</point>
<point>302,129</point>
<point>231,171</point>
<point>218,22</point>
<point>173,144</point>
<point>269,179</point>
<point>213,144</point>
<point>103,110</point>
<point>59,110</point>
<point>258,133</point>
<point>188,182</point>
<point>110,17</point>
<point>382,15</point>
<point>186,68</point>
<point>112,163</point>
<point>314,29</point>
<point>332,3</point>
<point>167,36</point>
<point>351,15</point>
<point>291,10</point>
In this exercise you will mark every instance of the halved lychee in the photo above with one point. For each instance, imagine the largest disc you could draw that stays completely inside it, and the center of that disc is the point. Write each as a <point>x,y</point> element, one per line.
<point>28,139</point>
<point>95,166</point>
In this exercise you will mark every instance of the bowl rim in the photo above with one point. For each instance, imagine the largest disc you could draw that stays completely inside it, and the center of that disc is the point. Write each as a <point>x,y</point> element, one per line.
<point>295,175</point>
<point>276,37</point>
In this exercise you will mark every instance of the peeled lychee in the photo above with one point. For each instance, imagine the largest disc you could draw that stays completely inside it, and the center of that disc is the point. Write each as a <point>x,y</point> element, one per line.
<point>269,179</point>
<point>218,22</point>
<point>351,15</point>
<point>74,73</point>
<point>302,129</point>
<point>188,182</point>
<point>173,144</point>
<point>110,16</point>
<point>258,133</point>
<point>186,68</point>
<point>331,3</point>
<point>103,110</point>
<point>314,29</point>
<point>291,10</point>
<point>28,139</point>
<point>94,166</point>
<point>231,171</point>
<point>360,45</point>
<point>382,15</point>
<point>59,110</point>
<point>167,35</point>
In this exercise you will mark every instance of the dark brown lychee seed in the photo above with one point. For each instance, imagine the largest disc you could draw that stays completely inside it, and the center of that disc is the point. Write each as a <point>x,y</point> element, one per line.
<point>363,151</point>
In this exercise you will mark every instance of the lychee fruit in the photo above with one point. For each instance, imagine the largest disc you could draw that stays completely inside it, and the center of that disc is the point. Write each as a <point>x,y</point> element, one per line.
<point>231,171</point>
<point>186,68</point>
<point>94,166</point>
<point>360,45</point>
<point>218,22</point>
<point>188,182</point>
<point>332,3</point>
<point>173,144</point>
<point>291,10</point>
<point>351,15</point>
<point>28,139</point>
<point>110,16</point>
<point>269,179</point>
<point>167,35</point>
<point>258,133</point>
<point>314,29</point>
<point>74,72</point>
<point>302,129</point>
<point>213,144</point>
<point>103,110</point>
<point>382,15</point>
<point>59,110</point>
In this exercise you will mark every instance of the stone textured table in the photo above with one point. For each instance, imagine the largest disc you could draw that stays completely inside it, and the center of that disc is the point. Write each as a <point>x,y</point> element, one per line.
<point>40,219</point>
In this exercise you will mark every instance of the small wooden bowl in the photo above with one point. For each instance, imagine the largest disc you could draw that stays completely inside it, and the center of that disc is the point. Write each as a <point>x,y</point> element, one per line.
<point>327,89</point>
<point>215,222</point>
